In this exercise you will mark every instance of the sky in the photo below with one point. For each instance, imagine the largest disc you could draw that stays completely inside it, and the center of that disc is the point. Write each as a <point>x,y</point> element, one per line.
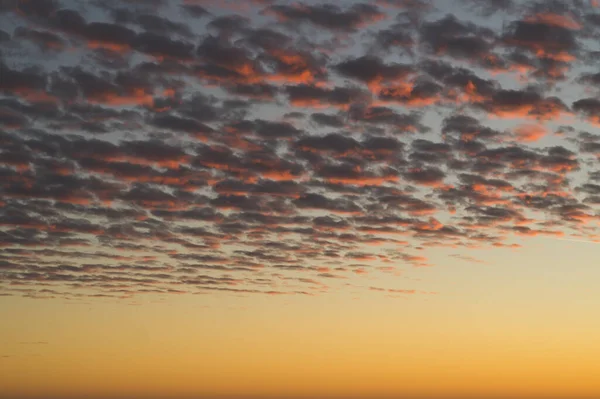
<point>263,199</point>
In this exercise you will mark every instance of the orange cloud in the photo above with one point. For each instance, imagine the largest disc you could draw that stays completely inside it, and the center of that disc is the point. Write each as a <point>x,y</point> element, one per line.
<point>137,97</point>
<point>116,47</point>
<point>563,21</point>
<point>529,133</point>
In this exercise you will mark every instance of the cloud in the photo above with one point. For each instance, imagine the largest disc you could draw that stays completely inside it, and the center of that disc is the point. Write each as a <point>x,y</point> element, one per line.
<point>329,16</point>
<point>276,148</point>
<point>462,40</point>
<point>320,97</point>
<point>545,36</point>
<point>372,70</point>
<point>527,132</point>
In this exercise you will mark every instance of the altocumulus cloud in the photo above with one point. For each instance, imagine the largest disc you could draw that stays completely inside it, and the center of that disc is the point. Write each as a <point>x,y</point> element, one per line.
<point>275,148</point>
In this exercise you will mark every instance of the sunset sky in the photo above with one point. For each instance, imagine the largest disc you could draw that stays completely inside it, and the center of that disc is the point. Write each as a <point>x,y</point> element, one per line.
<point>270,199</point>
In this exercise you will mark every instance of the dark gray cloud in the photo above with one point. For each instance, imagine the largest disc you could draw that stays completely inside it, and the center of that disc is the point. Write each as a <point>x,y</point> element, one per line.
<point>329,16</point>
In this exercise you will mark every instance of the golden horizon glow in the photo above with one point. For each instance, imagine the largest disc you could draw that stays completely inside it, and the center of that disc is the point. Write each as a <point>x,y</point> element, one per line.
<point>529,344</point>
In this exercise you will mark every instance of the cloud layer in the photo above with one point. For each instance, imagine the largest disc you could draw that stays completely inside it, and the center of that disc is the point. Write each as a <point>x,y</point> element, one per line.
<point>267,147</point>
